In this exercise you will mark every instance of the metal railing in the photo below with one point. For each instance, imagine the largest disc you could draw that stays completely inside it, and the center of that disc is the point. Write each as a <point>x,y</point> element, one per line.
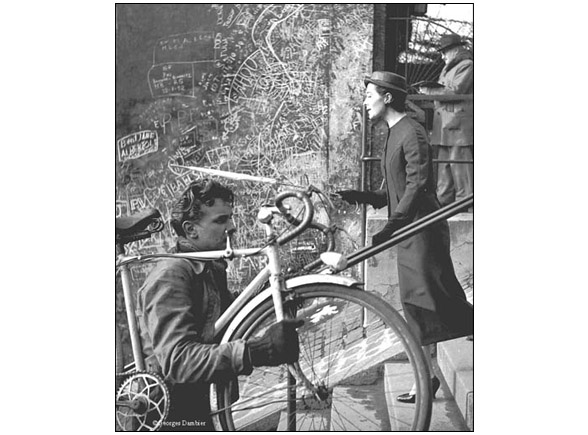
<point>404,233</point>
<point>440,97</point>
<point>412,229</point>
<point>377,159</point>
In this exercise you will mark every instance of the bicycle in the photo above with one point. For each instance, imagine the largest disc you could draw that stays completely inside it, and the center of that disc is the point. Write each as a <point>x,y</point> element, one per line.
<point>348,338</point>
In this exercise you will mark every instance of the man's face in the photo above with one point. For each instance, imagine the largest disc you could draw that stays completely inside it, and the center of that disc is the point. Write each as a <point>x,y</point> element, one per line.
<point>448,55</point>
<point>213,227</point>
<point>374,102</point>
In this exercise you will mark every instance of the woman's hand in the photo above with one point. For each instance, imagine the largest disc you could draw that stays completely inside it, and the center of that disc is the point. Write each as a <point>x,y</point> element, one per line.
<point>352,196</point>
<point>390,228</point>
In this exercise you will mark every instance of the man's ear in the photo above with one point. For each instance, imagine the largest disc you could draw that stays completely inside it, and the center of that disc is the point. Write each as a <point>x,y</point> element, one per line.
<point>191,229</point>
<point>388,98</point>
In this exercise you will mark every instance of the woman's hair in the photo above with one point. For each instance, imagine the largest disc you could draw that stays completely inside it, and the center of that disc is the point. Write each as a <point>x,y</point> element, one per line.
<point>188,205</point>
<point>398,98</point>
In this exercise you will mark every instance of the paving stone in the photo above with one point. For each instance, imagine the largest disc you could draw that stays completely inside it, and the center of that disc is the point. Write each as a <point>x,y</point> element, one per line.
<point>359,408</point>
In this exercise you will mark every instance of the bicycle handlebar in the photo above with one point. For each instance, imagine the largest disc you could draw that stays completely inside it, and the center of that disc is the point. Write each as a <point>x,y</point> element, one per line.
<point>327,231</point>
<point>301,224</point>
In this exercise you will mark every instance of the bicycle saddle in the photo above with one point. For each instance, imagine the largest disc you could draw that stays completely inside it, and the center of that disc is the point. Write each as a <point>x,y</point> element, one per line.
<point>136,222</point>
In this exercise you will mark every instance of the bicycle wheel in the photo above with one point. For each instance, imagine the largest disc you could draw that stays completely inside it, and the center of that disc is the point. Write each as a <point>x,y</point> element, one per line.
<point>354,348</point>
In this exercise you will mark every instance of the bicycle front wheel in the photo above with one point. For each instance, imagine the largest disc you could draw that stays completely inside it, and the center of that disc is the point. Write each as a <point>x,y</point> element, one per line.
<point>358,355</point>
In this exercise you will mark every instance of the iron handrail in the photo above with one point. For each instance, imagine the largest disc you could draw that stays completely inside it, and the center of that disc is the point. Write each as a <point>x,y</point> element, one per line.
<point>407,231</point>
<point>440,97</point>
<point>366,147</point>
<point>377,159</point>
<point>412,229</point>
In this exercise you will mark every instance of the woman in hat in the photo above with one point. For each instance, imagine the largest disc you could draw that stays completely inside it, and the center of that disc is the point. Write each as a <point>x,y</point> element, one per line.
<point>435,305</point>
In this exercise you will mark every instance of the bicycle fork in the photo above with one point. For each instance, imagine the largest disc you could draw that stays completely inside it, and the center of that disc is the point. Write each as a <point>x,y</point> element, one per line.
<point>295,374</point>
<point>276,280</point>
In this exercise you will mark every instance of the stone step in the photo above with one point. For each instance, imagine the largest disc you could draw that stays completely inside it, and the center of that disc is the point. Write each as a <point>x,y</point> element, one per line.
<point>445,417</point>
<point>359,408</point>
<point>456,362</point>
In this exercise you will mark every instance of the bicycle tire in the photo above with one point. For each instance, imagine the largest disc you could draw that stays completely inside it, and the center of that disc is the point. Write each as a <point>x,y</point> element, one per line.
<point>361,398</point>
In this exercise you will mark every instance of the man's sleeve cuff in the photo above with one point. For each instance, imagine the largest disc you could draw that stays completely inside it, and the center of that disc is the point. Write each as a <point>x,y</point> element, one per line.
<point>241,358</point>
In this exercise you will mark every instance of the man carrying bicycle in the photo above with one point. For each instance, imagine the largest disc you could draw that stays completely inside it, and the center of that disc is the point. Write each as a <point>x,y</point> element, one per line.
<point>179,303</point>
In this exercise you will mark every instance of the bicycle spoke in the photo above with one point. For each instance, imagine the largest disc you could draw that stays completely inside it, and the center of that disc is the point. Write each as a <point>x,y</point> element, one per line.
<point>310,361</point>
<point>270,391</point>
<point>329,353</point>
<point>349,424</point>
<point>249,408</point>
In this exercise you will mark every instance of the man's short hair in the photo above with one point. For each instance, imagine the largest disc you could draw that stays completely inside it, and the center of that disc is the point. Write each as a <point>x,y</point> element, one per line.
<point>188,205</point>
<point>398,98</point>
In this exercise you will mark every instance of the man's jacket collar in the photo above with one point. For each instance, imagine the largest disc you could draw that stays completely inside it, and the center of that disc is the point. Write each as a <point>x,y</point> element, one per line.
<point>462,55</point>
<point>186,245</point>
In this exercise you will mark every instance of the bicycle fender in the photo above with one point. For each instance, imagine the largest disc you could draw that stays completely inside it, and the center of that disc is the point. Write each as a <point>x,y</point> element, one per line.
<point>322,278</point>
<point>292,283</point>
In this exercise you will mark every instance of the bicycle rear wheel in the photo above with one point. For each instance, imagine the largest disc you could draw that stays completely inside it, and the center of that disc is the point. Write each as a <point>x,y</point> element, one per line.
<point>354,348</point>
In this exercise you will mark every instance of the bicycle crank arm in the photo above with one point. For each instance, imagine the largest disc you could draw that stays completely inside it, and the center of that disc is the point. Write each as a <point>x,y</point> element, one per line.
<point>135,405</point>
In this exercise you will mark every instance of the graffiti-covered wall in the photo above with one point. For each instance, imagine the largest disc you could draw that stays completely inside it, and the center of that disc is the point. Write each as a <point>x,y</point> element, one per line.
<point>271,90</point>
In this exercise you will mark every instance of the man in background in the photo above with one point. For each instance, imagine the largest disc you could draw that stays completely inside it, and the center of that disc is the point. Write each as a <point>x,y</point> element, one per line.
<point>453,122</point>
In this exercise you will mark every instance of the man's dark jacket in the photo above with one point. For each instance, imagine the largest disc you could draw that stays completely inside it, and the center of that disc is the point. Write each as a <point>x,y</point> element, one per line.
<point>177,307</point>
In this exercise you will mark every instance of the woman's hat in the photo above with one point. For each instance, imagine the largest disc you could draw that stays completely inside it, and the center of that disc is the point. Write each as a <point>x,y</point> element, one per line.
<point>387,80</point>
<point>448,41</point>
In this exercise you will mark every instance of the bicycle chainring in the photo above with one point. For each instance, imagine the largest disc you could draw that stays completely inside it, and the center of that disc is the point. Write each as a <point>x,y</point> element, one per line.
<point>142,402</point>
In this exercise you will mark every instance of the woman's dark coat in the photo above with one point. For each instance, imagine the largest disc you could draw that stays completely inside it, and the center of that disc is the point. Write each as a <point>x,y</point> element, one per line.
<point>434,302</point>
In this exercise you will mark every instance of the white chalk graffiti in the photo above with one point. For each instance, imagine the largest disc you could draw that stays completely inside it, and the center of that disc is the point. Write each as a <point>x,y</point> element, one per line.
<point>137,144</point>
<point>253,96</point>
